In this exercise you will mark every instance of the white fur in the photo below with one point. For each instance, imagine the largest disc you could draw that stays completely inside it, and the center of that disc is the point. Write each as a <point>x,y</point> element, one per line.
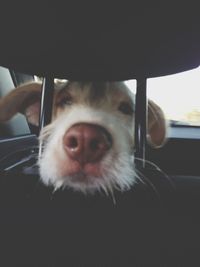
<point>117,170</point>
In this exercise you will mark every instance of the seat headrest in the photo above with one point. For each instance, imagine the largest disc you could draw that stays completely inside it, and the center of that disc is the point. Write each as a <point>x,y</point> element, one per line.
<point>100,42</point>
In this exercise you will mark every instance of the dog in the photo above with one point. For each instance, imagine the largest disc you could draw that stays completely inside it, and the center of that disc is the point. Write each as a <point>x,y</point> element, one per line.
<point>89,144</point>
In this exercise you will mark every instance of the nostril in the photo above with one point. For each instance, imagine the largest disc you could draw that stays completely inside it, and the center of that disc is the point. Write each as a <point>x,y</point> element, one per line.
<point>72,142</point>
<point>94,144</point>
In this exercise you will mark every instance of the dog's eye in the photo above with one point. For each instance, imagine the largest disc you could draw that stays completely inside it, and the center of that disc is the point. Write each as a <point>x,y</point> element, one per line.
<point>65,100</point>
<point>125,108</point>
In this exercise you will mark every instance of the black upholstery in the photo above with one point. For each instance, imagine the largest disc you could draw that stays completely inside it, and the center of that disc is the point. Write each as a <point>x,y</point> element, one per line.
<point>42,228</point>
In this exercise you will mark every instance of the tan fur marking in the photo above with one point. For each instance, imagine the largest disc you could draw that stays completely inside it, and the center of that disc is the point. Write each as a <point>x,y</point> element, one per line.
<point>18,100</point>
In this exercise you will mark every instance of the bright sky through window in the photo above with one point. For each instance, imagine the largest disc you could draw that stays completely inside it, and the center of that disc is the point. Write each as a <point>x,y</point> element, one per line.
<point>177,94</point>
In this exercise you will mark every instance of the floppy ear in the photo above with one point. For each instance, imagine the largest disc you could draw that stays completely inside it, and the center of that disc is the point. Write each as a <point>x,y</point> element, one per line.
<point>157,125</point>
<point>24,99</point>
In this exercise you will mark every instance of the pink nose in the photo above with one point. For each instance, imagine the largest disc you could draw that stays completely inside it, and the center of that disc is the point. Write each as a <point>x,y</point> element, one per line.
<point>86,142</point>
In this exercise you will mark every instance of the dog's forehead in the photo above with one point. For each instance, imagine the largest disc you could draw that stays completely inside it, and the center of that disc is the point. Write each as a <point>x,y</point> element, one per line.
<point>96,91</point>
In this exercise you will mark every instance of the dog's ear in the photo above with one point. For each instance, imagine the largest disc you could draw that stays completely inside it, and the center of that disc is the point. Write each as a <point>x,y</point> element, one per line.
<point>24,99</point>
<point>157,125</point>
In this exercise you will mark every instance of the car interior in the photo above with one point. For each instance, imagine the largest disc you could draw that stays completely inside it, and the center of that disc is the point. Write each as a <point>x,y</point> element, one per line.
<point>157,222</point>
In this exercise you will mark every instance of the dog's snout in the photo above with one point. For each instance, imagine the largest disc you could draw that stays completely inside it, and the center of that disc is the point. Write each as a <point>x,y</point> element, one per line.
<point>86,142</point>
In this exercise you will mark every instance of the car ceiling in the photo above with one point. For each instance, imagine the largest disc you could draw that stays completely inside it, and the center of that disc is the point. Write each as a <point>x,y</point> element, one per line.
<point>80,41</point>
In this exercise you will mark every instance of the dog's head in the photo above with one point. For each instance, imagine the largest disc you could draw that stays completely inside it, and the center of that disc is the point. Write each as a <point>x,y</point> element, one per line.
<point>89,144</point>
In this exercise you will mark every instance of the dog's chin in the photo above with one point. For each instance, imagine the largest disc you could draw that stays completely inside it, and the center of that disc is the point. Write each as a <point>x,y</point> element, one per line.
<point>76,175</point>
<point>114,172</point>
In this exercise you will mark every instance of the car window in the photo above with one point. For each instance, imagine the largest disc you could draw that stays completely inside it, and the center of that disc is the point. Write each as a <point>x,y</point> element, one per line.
<point>178,95</point>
